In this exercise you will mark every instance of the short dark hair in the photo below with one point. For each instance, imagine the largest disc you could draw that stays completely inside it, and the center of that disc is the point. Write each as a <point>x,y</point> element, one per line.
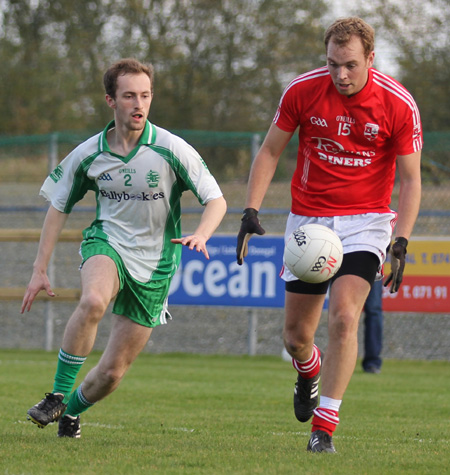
<point>341,31</point>
<point>122,67</point>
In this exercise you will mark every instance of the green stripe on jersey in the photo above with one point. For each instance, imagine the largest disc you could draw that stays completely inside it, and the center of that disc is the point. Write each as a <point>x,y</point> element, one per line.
<point>81,183</point>
<point>178,168</point>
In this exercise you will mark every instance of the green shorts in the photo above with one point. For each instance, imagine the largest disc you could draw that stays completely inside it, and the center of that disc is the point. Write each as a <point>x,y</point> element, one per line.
<point>143,302</point>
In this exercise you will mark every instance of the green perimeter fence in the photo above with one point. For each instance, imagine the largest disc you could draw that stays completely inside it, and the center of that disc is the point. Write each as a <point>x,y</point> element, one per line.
<point>25,162</point>
<point>228,154</point>
<point>28,159</point>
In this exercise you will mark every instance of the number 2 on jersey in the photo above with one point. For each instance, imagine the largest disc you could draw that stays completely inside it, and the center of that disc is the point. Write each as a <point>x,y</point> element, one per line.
<point>127,180</point>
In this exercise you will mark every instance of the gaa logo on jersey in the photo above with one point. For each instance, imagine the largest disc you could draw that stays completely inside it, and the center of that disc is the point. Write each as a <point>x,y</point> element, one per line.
<point>371,131</point>
<point>152,179</point>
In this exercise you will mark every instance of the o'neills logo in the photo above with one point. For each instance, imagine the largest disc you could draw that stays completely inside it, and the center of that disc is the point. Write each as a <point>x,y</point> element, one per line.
<point>120,196</point>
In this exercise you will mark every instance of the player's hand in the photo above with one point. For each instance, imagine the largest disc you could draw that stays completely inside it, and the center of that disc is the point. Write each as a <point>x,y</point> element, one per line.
<point>250,225</point>
<point>194,241</point>
<point>398,255</point>
<point>39,281</point>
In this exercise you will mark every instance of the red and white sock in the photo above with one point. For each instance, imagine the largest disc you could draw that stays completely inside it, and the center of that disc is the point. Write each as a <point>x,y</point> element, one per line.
<point>309,368</point>
<point>326,415</point>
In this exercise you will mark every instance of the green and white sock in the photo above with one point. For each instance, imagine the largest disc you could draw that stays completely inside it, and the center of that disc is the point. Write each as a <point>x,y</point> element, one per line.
<point>66,373</point>
<point>77,403</point>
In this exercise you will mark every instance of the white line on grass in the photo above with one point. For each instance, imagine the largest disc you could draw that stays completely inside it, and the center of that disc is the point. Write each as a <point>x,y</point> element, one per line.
<point>102,426</point>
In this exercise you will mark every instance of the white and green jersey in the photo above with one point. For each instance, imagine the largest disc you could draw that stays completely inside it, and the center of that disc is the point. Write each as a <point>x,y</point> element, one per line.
<point>138,196</point>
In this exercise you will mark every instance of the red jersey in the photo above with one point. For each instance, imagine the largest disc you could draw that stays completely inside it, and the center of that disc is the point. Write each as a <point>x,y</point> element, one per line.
<point>347,145</point>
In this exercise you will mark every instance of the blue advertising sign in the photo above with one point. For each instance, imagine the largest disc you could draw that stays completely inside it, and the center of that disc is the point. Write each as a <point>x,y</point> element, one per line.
<point>220,281</point>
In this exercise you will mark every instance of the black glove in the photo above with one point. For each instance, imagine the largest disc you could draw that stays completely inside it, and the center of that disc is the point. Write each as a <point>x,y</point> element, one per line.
<point>398,254</point>
<point>250,225</point>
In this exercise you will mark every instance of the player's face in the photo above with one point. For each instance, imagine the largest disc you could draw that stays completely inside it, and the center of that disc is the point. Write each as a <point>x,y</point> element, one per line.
<point>348,66</point>
<point>132,102</point>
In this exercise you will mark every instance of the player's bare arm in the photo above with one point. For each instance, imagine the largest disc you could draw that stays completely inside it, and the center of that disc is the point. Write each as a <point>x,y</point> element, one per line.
<point>265,164</point>
<point>408,209</point>
<point>53,224</point>
<point>211,217</point>
<point>261,174</point>
<point>410,193</point>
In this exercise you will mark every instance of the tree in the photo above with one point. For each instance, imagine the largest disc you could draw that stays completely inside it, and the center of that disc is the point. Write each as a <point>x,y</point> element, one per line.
<point>420,31</point>
<point>220,64</point>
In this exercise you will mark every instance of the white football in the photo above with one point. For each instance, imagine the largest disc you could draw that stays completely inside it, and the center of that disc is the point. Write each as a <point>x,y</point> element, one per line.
<point>313,253</point>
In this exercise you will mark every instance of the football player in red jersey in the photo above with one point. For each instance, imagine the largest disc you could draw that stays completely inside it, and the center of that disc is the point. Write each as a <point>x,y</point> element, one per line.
<point>355,127</point>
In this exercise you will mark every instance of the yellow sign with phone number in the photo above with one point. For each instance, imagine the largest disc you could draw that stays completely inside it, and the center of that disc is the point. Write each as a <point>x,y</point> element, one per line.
<point>426,280</point>
<point>426,256</point>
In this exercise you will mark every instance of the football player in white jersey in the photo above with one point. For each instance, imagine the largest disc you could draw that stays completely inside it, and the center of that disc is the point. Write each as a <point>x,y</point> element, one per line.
<point>355,126</point>
<point>131,251</point>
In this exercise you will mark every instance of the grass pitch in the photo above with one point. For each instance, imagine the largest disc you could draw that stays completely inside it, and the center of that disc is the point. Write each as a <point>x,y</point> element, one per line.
<point>192,414</point>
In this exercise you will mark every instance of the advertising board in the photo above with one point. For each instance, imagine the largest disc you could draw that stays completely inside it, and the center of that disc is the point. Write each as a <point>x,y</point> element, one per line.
<point>220,281</point>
